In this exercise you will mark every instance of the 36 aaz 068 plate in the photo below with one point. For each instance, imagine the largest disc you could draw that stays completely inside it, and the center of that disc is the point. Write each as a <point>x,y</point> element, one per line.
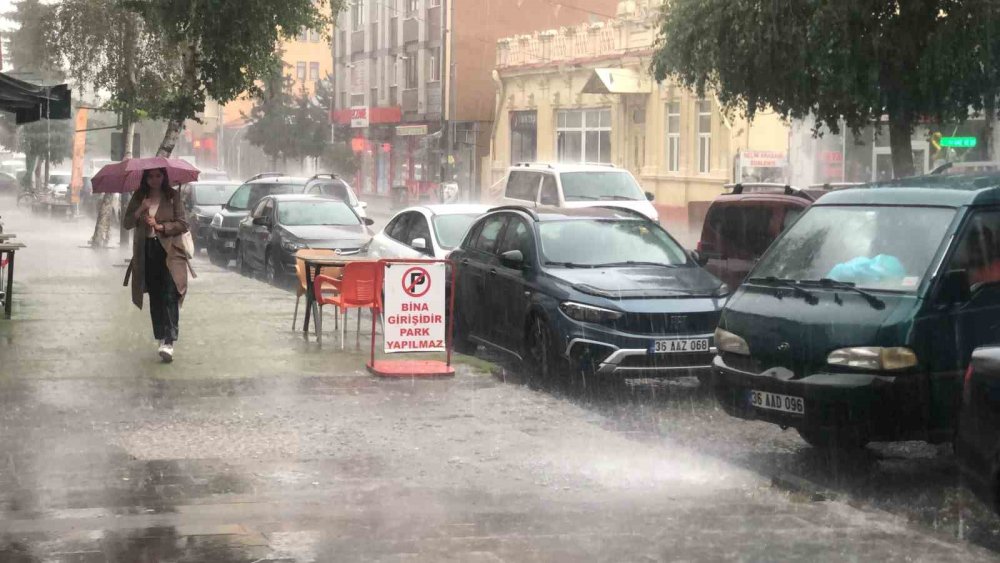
<point>776,402</point>
<point>684,345</point>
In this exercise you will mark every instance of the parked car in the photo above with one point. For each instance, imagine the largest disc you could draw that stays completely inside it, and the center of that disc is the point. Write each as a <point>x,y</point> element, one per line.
<point>9,183</point>
<point>575,185</point>
<point>226,223</point>
<point>427,231</point>
<point>202,200</point>
<point>859,321</point>
<point>213,175</point>
<point>333,186</point>
<point>281,225</point>
<point>977,444</point>
<point>59,183</point>
<point>740,225</point>
<point>600,290</point>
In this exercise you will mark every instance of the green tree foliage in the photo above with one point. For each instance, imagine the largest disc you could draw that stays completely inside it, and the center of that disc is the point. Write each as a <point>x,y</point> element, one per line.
<point>855,60</point>
<point>224,48</point>
<point>34,40</point>
<point>290,127</point>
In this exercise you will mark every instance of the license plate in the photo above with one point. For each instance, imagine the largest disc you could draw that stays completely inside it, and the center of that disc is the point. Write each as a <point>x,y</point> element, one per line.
<point>230,244</point>
<point>680,346</point>
<point>776,402</point>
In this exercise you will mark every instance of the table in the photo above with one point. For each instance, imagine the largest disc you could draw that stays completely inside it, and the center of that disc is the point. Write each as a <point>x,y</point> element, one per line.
<point>8,249</point>
<point>314,261</point>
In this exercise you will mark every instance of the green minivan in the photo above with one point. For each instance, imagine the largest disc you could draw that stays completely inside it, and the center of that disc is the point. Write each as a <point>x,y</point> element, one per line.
<point>858,322</point>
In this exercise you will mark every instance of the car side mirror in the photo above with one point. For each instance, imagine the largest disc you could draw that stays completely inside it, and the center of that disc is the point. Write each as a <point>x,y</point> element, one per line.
<point>419,243</point>
<point>369,221</point>
<point>262,221</point>
<point>650,196</point>
<point>698,258</point>
<point>513,259</point>
<point>955,287</point>
<point>363,204</point>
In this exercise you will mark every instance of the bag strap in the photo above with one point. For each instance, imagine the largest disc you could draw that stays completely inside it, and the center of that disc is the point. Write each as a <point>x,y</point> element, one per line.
<point>128,274</point>
<point>190,269</point>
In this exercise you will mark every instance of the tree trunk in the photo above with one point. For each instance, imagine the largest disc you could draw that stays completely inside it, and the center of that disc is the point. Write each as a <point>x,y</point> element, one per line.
<point>27,181</point>
<point>174,128</point>
<point>102,230</point>
<point>900,131</point>
<point>189,64</point>
<point>128,131</point>
<point>990,109</point>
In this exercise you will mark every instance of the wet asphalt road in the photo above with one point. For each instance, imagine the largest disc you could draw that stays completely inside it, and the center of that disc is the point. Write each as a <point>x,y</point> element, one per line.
<point>259,445</point>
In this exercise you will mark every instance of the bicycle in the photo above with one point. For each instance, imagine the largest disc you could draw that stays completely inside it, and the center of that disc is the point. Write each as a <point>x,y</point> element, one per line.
<point>28,197</point>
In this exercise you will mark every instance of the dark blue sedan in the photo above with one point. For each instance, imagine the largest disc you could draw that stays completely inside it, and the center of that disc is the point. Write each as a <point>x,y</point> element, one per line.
<point>599,290</point>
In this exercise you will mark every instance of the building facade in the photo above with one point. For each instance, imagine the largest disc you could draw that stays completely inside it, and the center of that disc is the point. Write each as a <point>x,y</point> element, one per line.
<point>414,88</point>
<point>584,94</point>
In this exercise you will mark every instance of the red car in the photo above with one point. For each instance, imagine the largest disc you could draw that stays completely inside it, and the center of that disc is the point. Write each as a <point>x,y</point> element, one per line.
<point>741,225</point>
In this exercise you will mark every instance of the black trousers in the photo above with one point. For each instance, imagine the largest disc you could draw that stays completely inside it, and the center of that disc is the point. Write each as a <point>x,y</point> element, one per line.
<point>164,299</point>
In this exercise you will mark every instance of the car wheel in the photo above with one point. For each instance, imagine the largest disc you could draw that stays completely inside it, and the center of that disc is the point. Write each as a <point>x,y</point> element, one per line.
<point>241,262</point>
<point>271,272</point>
<point>837,439</point>
<point>215,256</point>
<point>541,360</point>
<point>460,341</point>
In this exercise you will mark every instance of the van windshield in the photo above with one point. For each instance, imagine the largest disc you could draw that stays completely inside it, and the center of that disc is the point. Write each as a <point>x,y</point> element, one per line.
<point>600,186</point>
<point>878,248</point>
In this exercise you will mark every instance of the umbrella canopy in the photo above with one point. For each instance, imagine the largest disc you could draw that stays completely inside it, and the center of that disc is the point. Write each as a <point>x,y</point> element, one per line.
<point>125,176</point>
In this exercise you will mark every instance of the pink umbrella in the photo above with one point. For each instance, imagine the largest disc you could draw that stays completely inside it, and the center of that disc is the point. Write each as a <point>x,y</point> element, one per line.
<point>125,176</point>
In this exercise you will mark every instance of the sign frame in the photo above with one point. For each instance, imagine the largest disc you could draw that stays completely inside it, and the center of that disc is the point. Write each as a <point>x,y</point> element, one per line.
<point>415,368</point>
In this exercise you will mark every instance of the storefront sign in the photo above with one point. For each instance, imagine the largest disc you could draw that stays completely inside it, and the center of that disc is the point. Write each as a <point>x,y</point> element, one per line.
<point>414,307</point>
<point>959,142</point>
<point>359,117</point>
<point>411,130</point>
<point>763,159</point>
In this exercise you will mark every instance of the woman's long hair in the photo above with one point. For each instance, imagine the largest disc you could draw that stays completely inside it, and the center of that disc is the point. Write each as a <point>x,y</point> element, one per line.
<point>168,191</point>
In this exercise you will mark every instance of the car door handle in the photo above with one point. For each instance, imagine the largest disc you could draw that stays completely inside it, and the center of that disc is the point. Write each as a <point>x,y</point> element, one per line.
<point>493,271</point>
<point>465,261</point>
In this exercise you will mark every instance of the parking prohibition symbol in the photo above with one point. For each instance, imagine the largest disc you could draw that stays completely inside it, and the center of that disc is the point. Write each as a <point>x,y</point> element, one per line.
<point>416,282</point>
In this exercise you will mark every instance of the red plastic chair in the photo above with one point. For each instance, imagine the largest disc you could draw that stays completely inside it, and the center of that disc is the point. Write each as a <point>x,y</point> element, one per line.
<point>359,288</point>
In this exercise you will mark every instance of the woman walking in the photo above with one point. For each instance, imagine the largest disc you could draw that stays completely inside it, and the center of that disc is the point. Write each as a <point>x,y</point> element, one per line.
<point>159,262</point>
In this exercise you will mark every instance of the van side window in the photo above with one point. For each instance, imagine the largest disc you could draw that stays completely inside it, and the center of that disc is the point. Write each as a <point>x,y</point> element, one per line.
<point>523,185</point>
<point>550,191</point>
<point>978,250</point>
<point>746,231</point>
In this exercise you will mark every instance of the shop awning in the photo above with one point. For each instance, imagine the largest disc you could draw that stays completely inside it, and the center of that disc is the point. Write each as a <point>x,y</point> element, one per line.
<point>31,102</point>
<point>618,81</point>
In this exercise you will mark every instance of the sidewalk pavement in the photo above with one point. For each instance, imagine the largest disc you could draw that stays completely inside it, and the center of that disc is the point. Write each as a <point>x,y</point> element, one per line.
<point>258,445</point>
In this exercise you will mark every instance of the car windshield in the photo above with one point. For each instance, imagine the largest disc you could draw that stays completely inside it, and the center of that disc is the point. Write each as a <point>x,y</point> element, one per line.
<point>248,195</point>
<point>878,248</point>
<point>597,186</point>
<point>338,190</point>
<point>301,213</point>
<point>451,228</point>
<point>213,194</point>
<point>590,242</point>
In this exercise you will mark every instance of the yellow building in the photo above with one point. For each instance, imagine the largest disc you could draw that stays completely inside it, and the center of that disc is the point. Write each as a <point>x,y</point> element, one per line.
<point>585,94</point>
<point>307,59</point>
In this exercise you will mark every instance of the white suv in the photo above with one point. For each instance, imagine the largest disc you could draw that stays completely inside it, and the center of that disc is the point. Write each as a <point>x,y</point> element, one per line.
<point>575,185</point>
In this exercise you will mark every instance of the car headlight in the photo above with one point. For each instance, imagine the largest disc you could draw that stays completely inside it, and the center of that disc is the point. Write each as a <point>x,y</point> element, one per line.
<point>726,341</point>
<point>292,245</point>
<point>873,358</point>
<point>588,313</point>
<point>217,220</point>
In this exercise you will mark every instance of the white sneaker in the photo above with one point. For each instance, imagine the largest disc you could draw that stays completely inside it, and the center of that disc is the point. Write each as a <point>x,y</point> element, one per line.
<point>167,352</point>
